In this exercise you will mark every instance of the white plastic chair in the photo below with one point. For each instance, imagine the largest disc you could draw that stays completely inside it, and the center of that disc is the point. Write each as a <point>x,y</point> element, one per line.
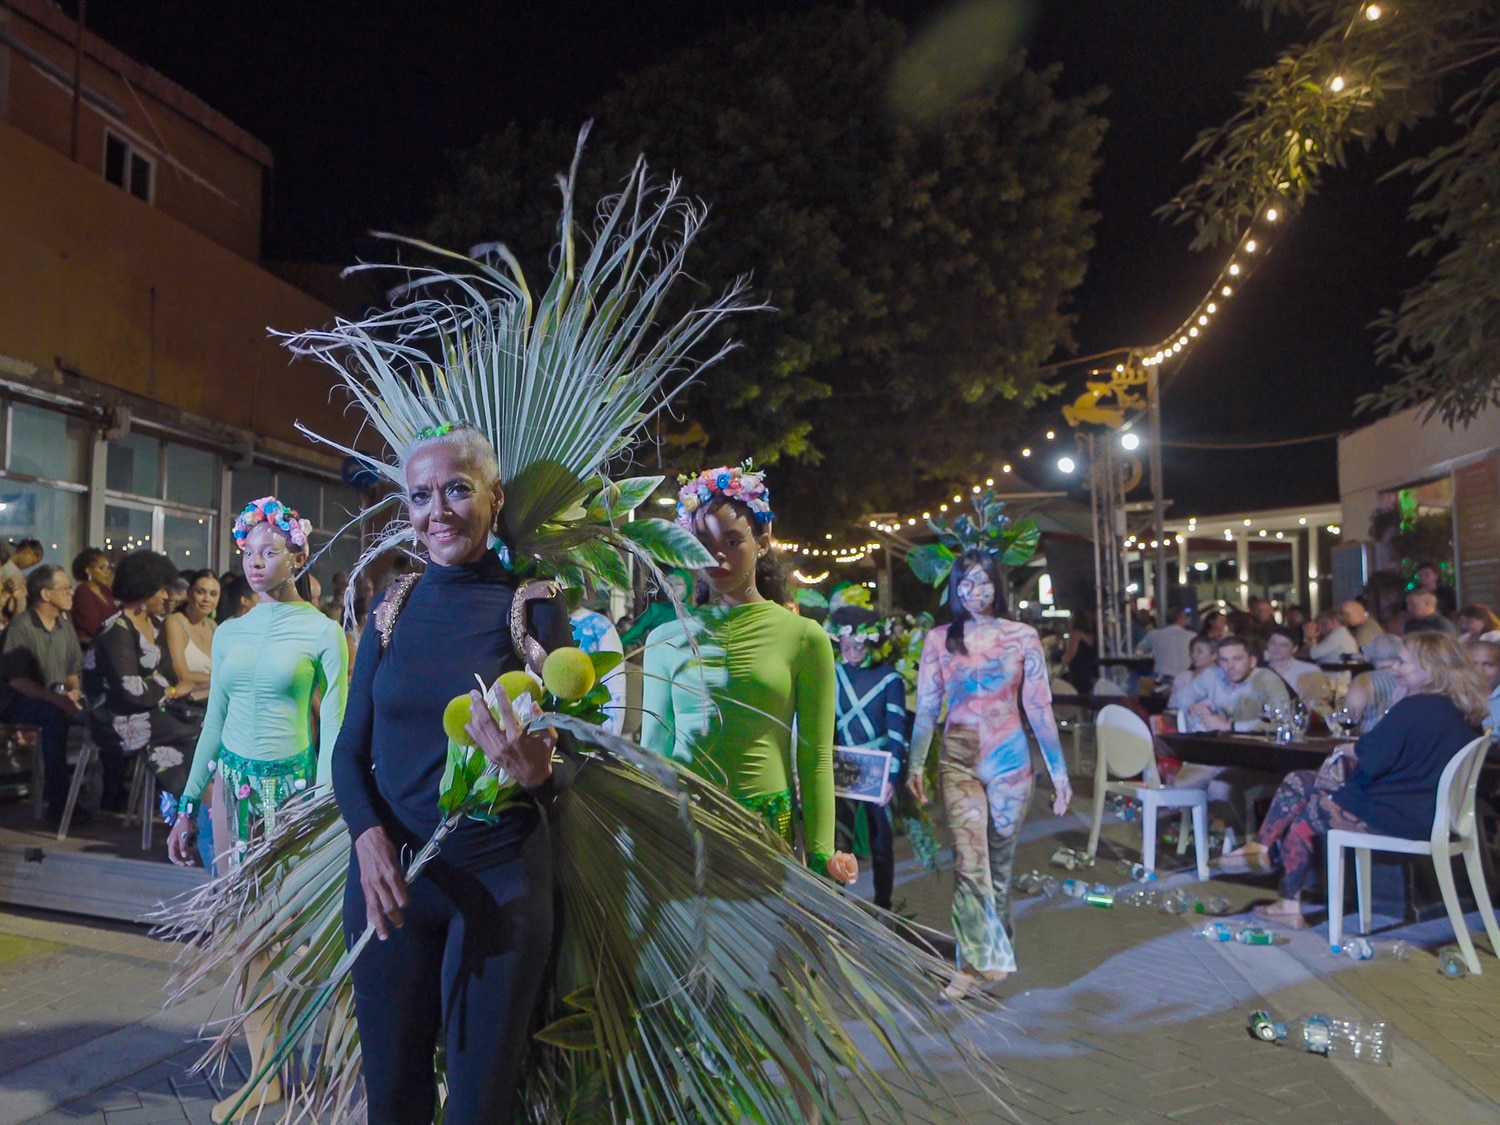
<point>1124,750</point>
<point>1455,832</point>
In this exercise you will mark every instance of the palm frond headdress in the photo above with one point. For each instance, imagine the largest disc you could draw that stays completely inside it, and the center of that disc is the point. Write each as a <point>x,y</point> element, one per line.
<point>1011,541</point>
<point>562,383</point>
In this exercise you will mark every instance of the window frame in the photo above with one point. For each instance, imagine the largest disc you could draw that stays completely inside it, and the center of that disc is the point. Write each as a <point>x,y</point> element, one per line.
<point>132,152</point>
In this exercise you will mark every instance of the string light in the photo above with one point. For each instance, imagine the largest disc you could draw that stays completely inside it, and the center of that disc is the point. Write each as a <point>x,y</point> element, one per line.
<point>1372,12</point>
<point>1336,83</point>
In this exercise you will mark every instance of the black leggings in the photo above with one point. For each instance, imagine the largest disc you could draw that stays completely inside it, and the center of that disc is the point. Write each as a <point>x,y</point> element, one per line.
<point>469,963</point>
<point>882,844</point>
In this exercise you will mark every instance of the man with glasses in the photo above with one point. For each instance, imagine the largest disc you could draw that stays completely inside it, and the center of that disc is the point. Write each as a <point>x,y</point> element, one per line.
<point>40,662</point>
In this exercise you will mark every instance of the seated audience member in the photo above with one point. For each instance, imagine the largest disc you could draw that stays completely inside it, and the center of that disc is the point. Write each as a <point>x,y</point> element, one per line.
<point>1335,641</point>
<point>1422,615</point>
<point>190,634</point>
<point>235,597</point>
<point>1371,694</point>
<point>1215,625</point>
<point>1080,661</point>
<point>42,662</point>
<point>1359,622</point>
<point>1391,788</point>
<point>1169,647</point>
<point>127,678</point>
<point>1486,658</point>
<point>177,592</point>
<point>1231,695</point>
<point>1307,680</point>
<point>93,604</point>
<point>1296,618</point>
<point>1478,623</point>
<point>23,556</point>
<point>1429,577</point>
<point>1201,654</point>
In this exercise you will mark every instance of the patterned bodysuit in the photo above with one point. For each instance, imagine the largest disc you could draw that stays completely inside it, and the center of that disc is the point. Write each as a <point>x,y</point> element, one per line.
<point>984,769</point>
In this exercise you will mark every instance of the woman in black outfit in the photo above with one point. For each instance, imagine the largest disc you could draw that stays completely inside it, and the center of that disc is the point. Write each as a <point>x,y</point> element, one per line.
<point>462,952</point>
<point>128,681</point>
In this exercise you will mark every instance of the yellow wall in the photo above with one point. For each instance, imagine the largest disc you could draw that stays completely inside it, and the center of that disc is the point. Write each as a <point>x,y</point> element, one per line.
<point>213,187</point>
<point>136,300</point>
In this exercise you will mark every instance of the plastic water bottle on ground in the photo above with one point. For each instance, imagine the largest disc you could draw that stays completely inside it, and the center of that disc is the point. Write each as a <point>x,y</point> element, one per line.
<point>1254,935</point>
<point>1137,872</point>
<point>1215,905</point>
<point>1451,962</point>
<point>1174,902</point>
<point>1356,949</point>
<point>1050,886</point>
<point>1330,1036</point>
<point>1074,888</point>
<point>1216,931</point>
<point>1401,950</point>
<point>1137,896</point>
<point>1028,884</point>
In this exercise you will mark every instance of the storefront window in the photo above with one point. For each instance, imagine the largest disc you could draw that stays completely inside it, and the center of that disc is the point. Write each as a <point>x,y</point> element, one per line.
<point>192,476</point>
<point>126,529</point>
<point>301,493</point>
<point>50,515</point>
<point>187,540</point>
<point>44,443</point>
<point>248,484</point>
<point>134,465</point>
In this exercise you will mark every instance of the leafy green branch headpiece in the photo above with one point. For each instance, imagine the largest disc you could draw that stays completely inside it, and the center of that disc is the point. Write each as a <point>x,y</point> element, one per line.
<point>990,530</point>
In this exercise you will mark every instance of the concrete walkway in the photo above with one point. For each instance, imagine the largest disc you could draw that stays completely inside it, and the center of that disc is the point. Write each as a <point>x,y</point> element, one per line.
<point>1115,1015</point>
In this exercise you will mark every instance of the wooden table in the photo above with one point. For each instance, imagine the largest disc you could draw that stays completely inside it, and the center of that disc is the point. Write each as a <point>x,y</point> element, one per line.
<point>1250,751</point>
<point>1354,667</point>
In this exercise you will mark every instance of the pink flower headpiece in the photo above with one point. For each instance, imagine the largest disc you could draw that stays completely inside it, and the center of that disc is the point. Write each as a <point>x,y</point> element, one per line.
<point>744,484</point>
<point>270,510</point>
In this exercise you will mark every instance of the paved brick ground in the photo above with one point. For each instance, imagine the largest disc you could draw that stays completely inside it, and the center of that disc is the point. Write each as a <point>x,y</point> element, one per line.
<point>1115,1016</point>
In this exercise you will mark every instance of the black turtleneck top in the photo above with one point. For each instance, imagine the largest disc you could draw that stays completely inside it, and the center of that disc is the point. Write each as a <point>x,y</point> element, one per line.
<point>391,751</point>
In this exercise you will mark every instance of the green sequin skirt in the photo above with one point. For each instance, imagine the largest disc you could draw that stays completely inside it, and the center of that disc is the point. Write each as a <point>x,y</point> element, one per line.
<point>255,789</point>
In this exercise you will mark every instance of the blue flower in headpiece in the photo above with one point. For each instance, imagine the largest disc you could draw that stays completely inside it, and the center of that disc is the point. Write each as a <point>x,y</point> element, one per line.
<point>722,481</point>
<point>765,517</point>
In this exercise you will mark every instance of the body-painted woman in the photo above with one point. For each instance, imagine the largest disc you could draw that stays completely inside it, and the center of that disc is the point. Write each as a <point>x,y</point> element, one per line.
<point>986,669</point>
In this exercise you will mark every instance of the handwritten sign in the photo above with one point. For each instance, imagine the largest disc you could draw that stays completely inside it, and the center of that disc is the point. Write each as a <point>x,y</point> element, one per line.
<point>861,775</point>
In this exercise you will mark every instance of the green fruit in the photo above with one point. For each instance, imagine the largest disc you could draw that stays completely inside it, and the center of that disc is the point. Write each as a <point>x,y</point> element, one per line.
<point>568,674</point>
<point>517,684</point>
<point>456,718</point>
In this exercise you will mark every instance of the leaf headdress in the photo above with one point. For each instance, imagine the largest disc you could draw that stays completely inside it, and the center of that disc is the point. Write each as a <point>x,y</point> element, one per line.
<point>562,383</point>
<point>990,530</point>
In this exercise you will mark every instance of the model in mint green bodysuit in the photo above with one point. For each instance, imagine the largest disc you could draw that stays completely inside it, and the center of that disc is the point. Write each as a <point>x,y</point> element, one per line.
<point>762,666</point>
<point>258,732</point>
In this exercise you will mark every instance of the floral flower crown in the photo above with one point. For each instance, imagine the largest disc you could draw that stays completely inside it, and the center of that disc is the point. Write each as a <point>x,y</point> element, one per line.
<point>742,483</point>
<point>270,510</point>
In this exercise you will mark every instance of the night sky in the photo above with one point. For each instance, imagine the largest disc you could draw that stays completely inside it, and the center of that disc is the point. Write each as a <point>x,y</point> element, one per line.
<point>363,102</point>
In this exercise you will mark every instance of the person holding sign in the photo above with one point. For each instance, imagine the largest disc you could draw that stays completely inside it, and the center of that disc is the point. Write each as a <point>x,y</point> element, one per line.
<point>985,669</point>
<point>870,715</point>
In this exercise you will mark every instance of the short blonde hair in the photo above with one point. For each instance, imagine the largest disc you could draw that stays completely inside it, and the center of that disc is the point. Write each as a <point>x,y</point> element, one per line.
<point>468,439</point>
<point>1452,674</point>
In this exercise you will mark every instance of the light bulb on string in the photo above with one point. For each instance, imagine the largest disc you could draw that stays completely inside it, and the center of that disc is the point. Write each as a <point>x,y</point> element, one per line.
<point>1234,269</point>
<point>1203,319</point>
<point>1213,308</point>
<point>1272,215</point>
<point>1250,247</point>
<point>1336,83</point>
<point>1226,292</point>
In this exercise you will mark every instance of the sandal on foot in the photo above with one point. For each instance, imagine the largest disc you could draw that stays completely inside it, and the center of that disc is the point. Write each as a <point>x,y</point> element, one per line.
<point>1292,920</point>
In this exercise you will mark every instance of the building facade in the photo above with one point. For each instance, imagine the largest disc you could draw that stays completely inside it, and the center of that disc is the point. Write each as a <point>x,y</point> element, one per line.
<point>142,397</point>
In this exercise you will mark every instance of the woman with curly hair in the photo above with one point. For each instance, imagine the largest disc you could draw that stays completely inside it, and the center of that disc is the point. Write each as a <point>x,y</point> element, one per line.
<point>1392,787</point>
<point>127,679</point>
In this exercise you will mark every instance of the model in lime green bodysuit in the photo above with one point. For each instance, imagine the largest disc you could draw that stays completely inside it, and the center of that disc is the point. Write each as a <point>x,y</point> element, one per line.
<point>258,732</point>
<point>761,666</point>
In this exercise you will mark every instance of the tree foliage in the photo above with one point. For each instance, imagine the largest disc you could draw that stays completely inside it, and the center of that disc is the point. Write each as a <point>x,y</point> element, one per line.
<point>919,266</point>
<point>1370,74</point>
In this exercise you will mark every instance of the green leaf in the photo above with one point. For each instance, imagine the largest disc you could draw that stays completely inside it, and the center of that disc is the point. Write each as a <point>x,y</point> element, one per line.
<point>455,784</point>
<point>571,1033</point>
<point>1024,537</point>
<point>605,663</point>
<point>619,498</point>
<point>604,563</point>
<point>931,562</point>
<point>668,544</point>
<point>539,493</point>
<point>812,599</point>
<point>583,999</point>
